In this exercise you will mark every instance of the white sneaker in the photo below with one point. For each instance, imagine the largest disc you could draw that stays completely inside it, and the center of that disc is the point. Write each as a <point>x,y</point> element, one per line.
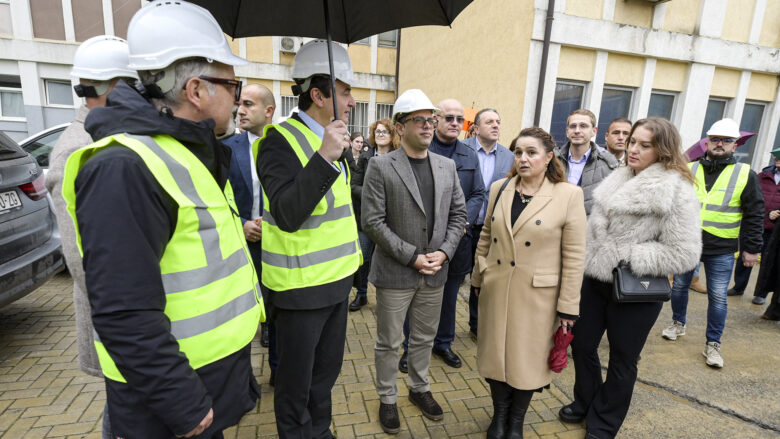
<point>712,354</point>
<point>676,329</point>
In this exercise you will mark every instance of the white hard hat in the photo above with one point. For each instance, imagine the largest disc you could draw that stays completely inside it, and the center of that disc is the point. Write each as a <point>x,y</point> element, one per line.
<point>724,128</point>
<point>163,32</point>
<point>410,101</point>
<point>102,58</point>
<point>312,59</point>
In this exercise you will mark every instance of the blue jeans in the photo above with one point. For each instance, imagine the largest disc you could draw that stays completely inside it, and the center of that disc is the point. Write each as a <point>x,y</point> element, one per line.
<point>718,270</point>
<point>367,248</point>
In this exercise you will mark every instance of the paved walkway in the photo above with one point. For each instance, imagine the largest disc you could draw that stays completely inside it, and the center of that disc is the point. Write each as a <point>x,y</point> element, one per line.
<point>43,393</point>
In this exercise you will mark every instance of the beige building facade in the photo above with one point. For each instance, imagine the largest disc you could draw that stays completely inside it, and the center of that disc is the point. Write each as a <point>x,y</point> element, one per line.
<point>690,61</point>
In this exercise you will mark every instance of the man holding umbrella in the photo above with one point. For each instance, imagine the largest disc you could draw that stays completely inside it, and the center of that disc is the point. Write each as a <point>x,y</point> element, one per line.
<point>310,244</point>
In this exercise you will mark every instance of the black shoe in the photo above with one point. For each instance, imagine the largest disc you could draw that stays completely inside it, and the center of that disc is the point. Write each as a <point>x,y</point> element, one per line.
<point>358,303</point>
<point>566,414</point>
<point>403,363</point>
<point>451,358</point>
<point>388,418</point>
<point>272,380</point>
<point>427,405</point>
<point>264,339</point>
<point>733,292</point>
<point>501,394</point>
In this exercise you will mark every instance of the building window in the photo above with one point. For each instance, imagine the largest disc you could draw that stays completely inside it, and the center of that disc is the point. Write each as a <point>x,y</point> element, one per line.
<point>751,121</point>
<point>388,39</point>
<point>568,97</point>
<point>288,104</point>
<point>358,118</point>
<point>661,104</point>
<point>716,108</point>
<point>58,93</point>
<point>384,111</point>
<point>615,103</point>
<point>11,100</point>
<point>365,41</point>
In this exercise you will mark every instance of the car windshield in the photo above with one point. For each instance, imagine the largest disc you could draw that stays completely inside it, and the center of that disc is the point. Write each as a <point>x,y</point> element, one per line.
<point>41,148</point>
<point>8,148</point>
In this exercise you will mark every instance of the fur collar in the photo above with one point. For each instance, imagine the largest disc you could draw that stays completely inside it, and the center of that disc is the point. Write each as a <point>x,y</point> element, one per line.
<point>651,192</point>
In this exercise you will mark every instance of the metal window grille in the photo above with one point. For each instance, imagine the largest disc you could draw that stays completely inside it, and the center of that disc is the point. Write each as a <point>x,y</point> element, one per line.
<point>288,104</point>
<point>384,111</point>
<point>358,118</point>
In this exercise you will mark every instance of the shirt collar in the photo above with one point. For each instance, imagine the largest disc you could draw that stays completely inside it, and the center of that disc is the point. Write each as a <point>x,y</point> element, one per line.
<point>584,158</point>
<point>482,148</point>
<point>251,137</point>
<point>313,125</point>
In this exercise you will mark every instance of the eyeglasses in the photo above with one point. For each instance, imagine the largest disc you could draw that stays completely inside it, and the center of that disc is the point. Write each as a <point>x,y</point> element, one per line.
<point>420,121</point>
<point>451,119</point>
<point>381,132</point>
<point>725,140</point>
<point>228,83</point>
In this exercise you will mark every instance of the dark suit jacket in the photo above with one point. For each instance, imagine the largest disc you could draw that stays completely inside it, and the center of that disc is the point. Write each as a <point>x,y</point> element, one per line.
<point>504,160</point>
<point>394,218</point>
<point>240,178</point>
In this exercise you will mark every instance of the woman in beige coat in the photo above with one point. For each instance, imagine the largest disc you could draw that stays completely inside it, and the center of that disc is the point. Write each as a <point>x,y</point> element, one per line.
<point>528,273</point>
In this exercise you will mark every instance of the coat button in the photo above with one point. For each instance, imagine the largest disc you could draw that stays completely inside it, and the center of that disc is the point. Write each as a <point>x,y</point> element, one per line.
<point>499,261</point>
<point>425,229</point>
<point>538,222</point>
<point>512,263</point>
<point>495,239</point>
<point>527,243</point>
<point>492,218</point>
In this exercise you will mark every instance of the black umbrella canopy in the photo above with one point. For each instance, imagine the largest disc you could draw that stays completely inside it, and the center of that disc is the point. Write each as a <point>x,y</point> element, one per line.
<point>350,20</point>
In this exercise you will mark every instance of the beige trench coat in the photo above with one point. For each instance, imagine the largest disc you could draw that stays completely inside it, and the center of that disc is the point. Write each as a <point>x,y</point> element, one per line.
<point>527,273</point>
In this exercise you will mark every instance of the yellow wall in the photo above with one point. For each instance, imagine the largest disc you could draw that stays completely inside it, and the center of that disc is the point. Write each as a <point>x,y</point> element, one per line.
<point>233,44</point>
<point>361,94</point>
<point>482,61</point>
<point>739,15</point>
<point>762,87</point>
<point>285,88</point>
<point>670,75</point>
<point>624,70</point>
<point>385,97</point>
<point>576,64</point>
<point>634,12</point>
<point>266,82</point>
<point>770,30</point>
<point>725,83</point>
<point>585,8</point>
<point>385,61</point>
<point>260,49</point>
<point>360,54</point>
<point>681,16</point>
<point>286,58</point>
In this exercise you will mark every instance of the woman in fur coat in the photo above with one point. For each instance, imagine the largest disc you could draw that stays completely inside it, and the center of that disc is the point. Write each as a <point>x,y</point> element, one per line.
<point>648,215</point>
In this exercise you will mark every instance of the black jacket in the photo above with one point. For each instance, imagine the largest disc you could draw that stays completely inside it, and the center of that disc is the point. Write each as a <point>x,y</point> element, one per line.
<point>356,183</point>
<point>293,192</point>
<point>126,219</point>
<point>752,227</point>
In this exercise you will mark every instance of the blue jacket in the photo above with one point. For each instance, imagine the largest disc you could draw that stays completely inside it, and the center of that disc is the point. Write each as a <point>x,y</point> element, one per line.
<point>241,180</point>
<point>504,160</point>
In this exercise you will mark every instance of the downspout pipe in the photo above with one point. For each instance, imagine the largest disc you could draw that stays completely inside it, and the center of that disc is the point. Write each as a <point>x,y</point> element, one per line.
<point>543,68</point>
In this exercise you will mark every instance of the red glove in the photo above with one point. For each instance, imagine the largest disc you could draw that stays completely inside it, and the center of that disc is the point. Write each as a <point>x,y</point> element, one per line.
<point>557,360</point>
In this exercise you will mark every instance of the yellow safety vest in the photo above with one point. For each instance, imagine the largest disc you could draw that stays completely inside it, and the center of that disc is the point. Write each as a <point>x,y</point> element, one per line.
<point>721,207</point>
<point>325,248</point>
<point>211,290</point>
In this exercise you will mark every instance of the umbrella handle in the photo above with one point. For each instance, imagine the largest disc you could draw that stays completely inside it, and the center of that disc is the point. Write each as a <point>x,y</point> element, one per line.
<point>330,61</point>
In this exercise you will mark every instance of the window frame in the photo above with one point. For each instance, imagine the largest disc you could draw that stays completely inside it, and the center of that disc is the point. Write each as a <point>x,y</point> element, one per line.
<point>585,88</point>
<point>351,126</point>
<point>12,118</point>
<point>761,123</point>
<point>631,102</point>
<point>377,112</point>
<point>395,43</point>
<point>675,101</point>
<point>47,81</point>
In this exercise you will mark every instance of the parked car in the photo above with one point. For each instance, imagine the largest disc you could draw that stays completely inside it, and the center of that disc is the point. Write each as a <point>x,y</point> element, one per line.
<point>30,249</point>
<point>40,145</point>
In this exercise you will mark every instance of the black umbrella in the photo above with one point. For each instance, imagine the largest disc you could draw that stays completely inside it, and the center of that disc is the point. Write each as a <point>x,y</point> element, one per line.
<point>345,21</point>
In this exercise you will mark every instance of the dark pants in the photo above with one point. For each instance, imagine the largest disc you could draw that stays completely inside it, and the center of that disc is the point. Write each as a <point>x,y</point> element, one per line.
<point>773,310</point>
<point>473,298</point>
<point>606,403</point>
<point>445,334</point>
<point>311,350</point>
<point>742,273</point>
<point>273,353</point>
<point>361,276</point>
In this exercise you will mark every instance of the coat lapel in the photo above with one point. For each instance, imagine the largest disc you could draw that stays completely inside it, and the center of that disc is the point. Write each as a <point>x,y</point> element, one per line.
<point>541,199</point>
<point>244,159</point>
<point>505,202</point>
<point>404,169</point>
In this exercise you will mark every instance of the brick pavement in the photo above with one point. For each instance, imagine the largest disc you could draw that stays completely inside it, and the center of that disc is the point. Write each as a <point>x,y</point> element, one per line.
<point>44,394</point>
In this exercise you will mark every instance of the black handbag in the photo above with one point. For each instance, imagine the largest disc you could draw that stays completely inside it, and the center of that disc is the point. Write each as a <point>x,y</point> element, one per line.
<point>630,288</point>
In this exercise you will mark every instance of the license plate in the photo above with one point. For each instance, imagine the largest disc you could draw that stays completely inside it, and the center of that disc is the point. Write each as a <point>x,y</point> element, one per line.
<point>9,200</point>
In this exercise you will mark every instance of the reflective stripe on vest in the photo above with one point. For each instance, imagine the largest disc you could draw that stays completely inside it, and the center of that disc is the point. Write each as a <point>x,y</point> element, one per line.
<point>212,301</point>
<point>325,248</point>
<point>721,207</point>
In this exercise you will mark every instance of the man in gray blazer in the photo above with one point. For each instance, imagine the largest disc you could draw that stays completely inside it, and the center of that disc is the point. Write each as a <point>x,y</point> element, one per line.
<point>495,161</point>
<point>413,208</point>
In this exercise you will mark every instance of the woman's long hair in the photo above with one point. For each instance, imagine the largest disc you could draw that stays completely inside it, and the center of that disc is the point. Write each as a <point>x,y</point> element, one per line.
<point>395,140</point>
<point>667,143</point>
<point>554,171</point>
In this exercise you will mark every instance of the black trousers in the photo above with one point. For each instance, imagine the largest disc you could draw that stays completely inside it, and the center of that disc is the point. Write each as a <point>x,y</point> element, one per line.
<point>476,230</point>
<point>310,344</point>
<point>605,404</point>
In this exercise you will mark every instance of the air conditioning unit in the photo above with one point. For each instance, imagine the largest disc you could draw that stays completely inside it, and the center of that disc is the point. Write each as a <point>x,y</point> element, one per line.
<point>290,44</point>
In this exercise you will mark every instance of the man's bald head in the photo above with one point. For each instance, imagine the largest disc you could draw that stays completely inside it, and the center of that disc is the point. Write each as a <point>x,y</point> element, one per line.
<point>450,120</point>
<point>256,108</point>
